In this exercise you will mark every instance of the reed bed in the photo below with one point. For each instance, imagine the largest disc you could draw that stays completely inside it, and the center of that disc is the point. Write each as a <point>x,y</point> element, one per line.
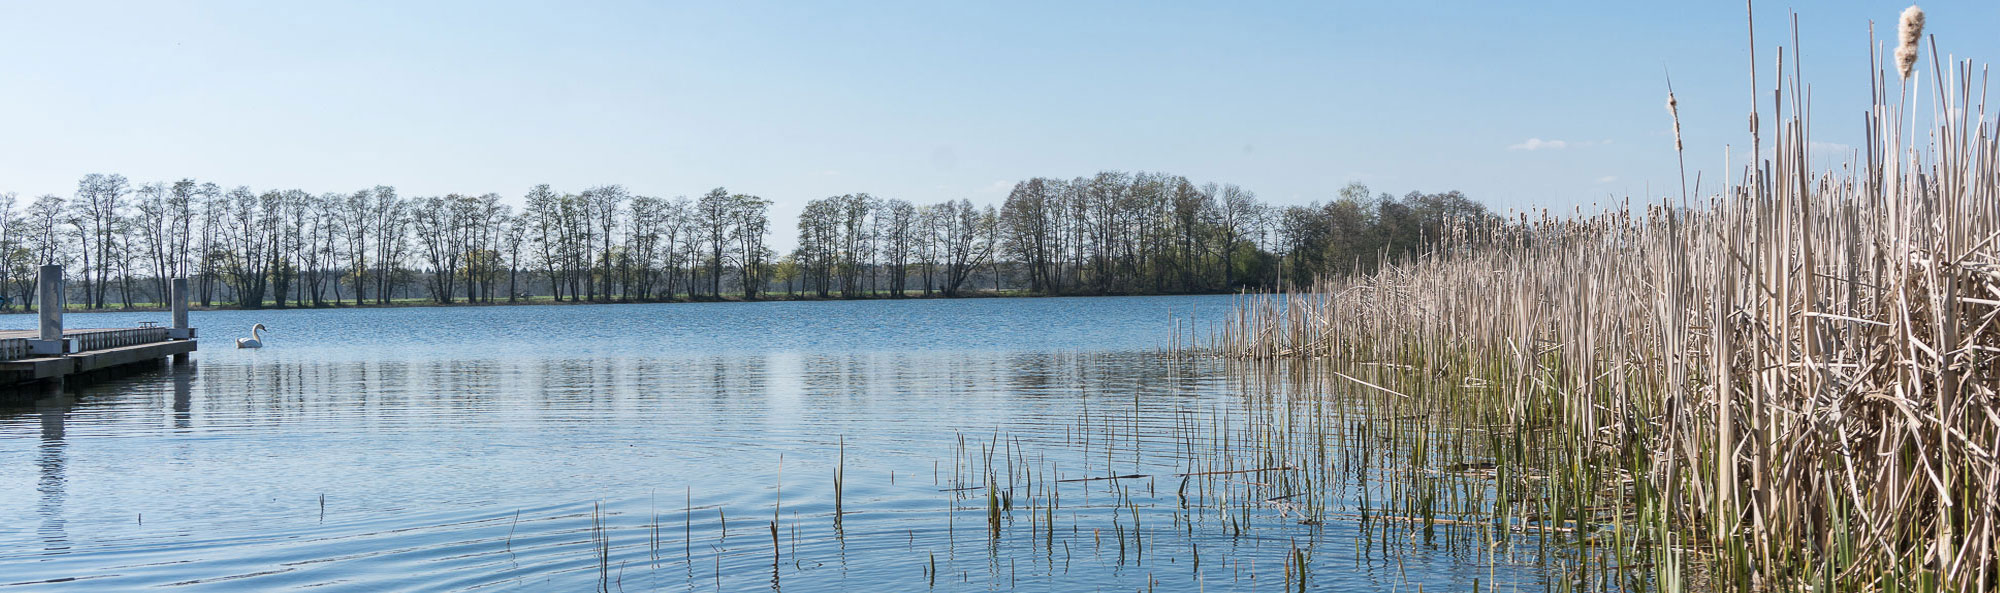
<point>1797,372</point>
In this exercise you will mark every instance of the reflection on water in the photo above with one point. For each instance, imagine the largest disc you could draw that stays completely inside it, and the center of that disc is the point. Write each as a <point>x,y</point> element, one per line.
<point>182,376</point>
<point>636,468</point>
<point>49,460</point>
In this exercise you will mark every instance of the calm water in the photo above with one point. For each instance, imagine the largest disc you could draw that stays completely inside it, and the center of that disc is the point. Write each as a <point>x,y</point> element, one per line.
<point>650,447</point>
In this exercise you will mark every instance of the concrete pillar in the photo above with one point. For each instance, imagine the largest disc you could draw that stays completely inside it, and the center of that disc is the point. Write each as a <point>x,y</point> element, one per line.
<point>51,307</point>
<point>180,297</point>
<point>180,305</point>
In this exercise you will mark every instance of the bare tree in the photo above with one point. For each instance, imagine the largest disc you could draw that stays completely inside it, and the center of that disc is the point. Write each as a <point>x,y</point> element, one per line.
<point>514,237</point>
<point>213,244</point>
<point>390,222</point>
<point>153,220</point>
<point>544,218</point>
<point>14,253</point>
<point>1237,216</point>
<point>357,217</point>
<point>902,238</point>
<point>963,242</point>
<point>752,223</point>
<point>716,215</point>
<point>99,203</point>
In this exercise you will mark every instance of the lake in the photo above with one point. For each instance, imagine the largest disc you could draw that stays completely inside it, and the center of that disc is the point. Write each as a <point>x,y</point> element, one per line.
<point>696,447</point>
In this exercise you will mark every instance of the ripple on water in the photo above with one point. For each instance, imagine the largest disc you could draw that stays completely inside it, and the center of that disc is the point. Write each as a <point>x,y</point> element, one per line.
<point>551,448</point>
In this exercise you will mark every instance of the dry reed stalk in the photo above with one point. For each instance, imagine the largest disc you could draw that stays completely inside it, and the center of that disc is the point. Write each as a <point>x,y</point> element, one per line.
<point>1809,359</point>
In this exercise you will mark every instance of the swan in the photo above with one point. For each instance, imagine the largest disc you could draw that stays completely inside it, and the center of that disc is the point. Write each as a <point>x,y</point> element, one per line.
<point>255,340</point>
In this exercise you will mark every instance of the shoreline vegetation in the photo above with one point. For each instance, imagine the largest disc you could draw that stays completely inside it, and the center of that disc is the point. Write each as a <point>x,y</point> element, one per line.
<point>1786,383</point>
<point>1110,233</point>
<point>407,303</point>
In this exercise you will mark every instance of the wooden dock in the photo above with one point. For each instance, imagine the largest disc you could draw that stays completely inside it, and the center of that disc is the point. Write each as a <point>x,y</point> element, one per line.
<point>45,356</point>
<point>93,349</point>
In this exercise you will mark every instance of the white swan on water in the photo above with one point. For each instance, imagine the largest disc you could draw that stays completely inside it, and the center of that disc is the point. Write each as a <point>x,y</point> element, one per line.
<point>255,340</point>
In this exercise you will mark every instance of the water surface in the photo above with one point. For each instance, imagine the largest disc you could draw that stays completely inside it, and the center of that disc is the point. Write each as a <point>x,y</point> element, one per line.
<point>649,447</point>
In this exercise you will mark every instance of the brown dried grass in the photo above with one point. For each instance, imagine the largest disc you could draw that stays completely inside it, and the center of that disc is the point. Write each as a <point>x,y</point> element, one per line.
<point>1808,358</point>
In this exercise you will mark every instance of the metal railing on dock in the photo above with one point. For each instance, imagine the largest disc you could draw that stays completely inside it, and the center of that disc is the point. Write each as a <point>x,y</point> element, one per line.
<point>117,338</point>
<point>86,340</point>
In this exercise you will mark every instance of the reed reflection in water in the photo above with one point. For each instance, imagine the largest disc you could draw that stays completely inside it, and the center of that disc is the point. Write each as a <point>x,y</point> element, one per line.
<point>953,470</point>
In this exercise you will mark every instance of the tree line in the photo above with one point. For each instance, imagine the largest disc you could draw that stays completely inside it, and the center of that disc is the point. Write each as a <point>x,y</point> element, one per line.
<point>1111,233</point>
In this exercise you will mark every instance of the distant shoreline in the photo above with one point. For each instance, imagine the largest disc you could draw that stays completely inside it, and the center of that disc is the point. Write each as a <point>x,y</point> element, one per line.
<point>543,300</point>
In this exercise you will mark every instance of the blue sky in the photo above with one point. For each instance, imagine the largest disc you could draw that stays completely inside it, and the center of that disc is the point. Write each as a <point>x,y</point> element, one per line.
<point>921,100</point>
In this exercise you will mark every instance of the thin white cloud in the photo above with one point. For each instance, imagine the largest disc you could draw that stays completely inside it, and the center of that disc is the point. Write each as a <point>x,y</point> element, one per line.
<point>1539,144</point>
<point>1607,179</point>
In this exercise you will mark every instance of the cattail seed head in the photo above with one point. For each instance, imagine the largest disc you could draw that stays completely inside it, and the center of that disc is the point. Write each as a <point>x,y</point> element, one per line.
<point>1674,109</point>
<point>1909,31</point>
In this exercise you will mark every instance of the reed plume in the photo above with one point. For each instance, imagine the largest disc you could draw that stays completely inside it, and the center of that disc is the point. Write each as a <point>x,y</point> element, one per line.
<point>1909,32</point>
<point>1674,109</point>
